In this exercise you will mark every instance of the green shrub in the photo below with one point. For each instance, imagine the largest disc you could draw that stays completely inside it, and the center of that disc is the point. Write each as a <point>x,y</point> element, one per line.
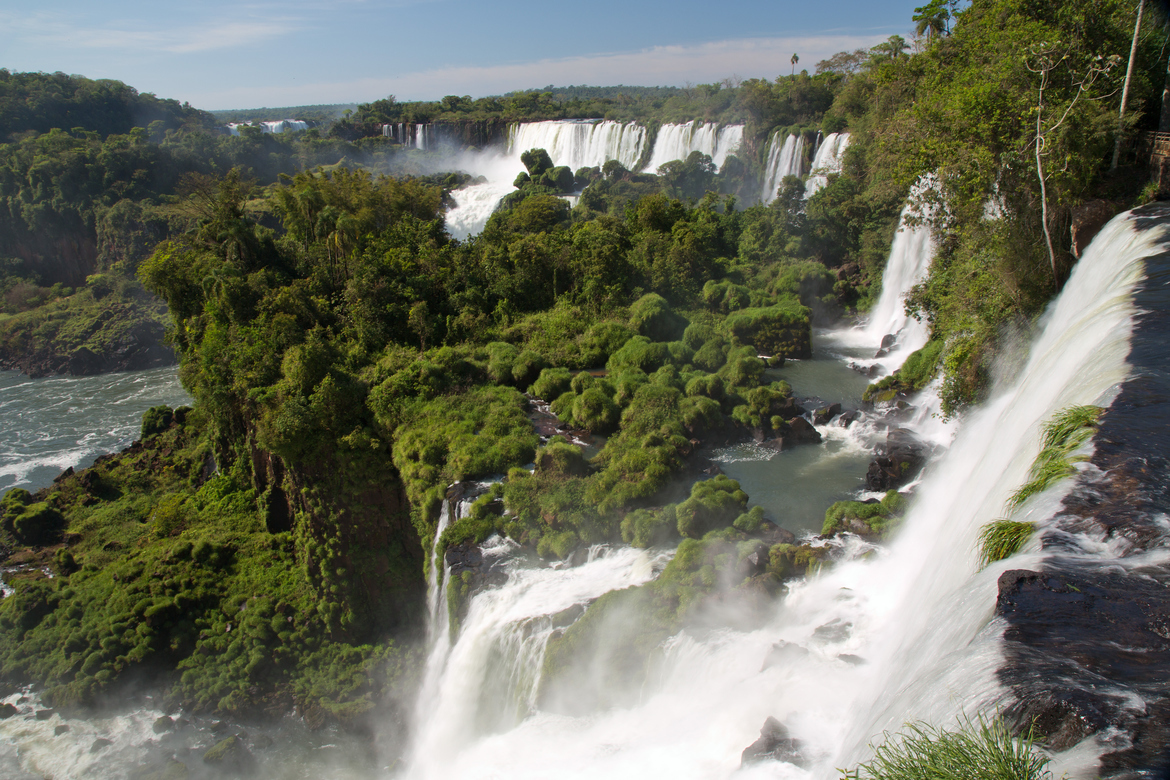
<point>983,749</point>
<point>39,524</point>
<point>878,517</point>
<point>714,503</point>
<point>1063,435</point>
<point>650,528</point>
<point>559,458</point>
<point>552,383</point>
<point>1002,539</point>
<point>156,419</point>
<point>595,411</point>
<point>652,317</point>
<point>782,330</point>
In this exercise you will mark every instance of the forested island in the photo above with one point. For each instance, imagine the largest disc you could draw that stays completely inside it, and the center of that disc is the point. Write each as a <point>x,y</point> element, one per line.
<point>269,548</point>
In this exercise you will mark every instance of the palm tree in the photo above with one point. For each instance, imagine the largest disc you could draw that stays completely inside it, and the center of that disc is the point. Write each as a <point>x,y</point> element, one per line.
<point>932,19</point>
<point>795,60</point>
<point>896,45</point>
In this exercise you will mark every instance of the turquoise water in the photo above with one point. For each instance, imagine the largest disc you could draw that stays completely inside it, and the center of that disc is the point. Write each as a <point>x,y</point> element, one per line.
<point>52,423</point>
<point>796,486</point>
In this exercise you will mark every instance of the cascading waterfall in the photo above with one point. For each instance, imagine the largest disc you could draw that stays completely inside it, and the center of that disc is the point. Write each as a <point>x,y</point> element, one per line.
<point>784,159</point>
<point>880,638</point>
<point>908,264</point>
<point>828,160</point>
<point>677,141</point>
<point>576,144</point>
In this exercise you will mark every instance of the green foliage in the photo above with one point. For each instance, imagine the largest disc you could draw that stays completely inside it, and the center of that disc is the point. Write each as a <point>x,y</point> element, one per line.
<point>983,749</point>
<point>878,517</point>
<point>652,317</point>
<point>38,524</point>
<point>713,504</point>
<point>914,374</point>
<point>1065,433</point>
<point>156,419</point>
<point>457,437</point>
<point>781,330</point>
<point>1002,538</point>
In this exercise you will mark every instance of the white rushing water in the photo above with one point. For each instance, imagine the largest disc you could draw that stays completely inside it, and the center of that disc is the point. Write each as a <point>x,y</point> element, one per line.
<point>677,141</point>
<point>909,263</point>
<point>785,158</point>
<point>575,143</point>
<point>50,424</point>
<point>829,157</point>
<point>873,642</point>
<point>277,126</point>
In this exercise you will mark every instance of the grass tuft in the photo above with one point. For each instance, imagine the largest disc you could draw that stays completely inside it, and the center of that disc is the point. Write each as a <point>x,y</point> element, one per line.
<point>983,749</point>
<point>1063,435</point>
<point>1002,538</point>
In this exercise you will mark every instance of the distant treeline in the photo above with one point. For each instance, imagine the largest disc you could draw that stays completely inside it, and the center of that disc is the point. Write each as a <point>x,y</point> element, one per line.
<point>322,114</point>
<point>43,101</point>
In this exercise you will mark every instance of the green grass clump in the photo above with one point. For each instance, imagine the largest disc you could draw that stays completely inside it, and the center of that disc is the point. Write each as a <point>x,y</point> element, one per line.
<point>1002,538</point>
<point>983,749</point>
<point>1063,435</point>
<point>916,372</point>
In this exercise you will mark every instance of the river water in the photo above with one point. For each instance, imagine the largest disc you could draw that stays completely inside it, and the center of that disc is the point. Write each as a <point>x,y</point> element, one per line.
<point>50,424</point>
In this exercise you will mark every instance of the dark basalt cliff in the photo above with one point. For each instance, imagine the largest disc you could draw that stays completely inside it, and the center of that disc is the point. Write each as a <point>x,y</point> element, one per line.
<point>1087,642</point>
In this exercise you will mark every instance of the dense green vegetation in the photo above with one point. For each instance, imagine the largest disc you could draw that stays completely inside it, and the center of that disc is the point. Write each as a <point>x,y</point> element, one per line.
<point>350,360</point>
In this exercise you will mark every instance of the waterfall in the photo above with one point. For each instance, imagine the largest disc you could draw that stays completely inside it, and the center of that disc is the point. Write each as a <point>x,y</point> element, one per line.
<point>784,159</point>
<point>880,638</point>
<point>578,144</point>
<point>908,264</point>
<point>489,677</point>
<point>575,143</point>
<point>677,141</point>
<point>830,155</point>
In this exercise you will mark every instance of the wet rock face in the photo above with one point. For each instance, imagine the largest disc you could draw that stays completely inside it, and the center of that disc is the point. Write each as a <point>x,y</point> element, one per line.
<point>1087,221</point>
<point>899,460</point>
<point>774,744</point>
<point>1087,637</point>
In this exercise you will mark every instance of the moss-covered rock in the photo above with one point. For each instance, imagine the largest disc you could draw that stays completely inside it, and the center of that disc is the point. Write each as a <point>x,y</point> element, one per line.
<point>865,518</point>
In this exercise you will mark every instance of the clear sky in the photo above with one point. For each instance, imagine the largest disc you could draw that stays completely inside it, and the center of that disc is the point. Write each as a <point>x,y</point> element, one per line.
<point>219,54</point>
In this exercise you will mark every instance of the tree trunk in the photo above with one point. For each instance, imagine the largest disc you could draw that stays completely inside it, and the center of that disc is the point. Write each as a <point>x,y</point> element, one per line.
<point>1125,90</point>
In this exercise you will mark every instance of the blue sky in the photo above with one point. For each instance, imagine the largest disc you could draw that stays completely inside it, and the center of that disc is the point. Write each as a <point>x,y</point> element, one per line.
<point>217,54</point>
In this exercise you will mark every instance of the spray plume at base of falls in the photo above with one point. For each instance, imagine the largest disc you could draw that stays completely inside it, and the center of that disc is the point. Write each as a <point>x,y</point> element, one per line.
<point>902,634</point>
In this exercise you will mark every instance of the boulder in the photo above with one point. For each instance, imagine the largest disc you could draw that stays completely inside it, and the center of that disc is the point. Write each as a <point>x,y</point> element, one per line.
<point>7,711</point>
<point>100,743</point>
<point>774,744</point>
<point>163,724</point>
<point>231,755</point>
<point>899,460</point>
<point>801,431</point>
<point>823,415</point>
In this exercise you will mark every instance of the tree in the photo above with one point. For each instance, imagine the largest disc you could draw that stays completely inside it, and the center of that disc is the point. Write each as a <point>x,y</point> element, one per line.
<point>897,46</point>
<point>1125,91</point>
<point>795,59</point>
<point>1043,59</point>
<point>932,19</point>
